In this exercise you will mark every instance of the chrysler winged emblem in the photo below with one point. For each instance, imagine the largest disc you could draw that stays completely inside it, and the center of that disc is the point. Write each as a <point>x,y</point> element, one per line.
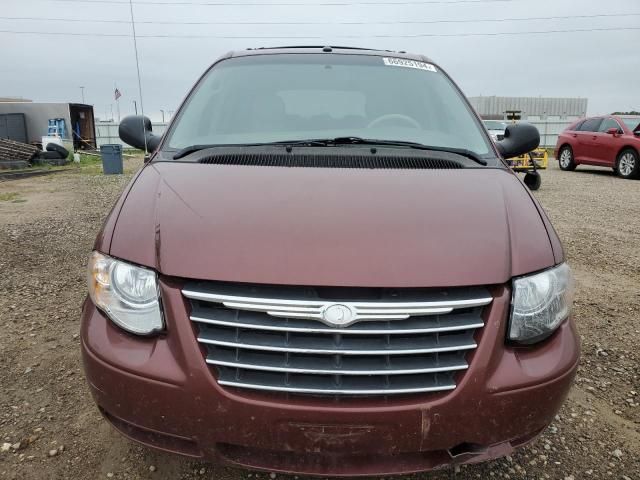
<point>337,315</point>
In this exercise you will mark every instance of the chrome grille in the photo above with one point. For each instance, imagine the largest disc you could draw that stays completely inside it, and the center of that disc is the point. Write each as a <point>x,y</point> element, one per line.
<point>282,339</point>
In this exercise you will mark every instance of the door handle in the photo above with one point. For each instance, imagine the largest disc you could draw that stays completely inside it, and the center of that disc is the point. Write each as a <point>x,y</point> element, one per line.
<point>575,135</point>
<point>594,137</point>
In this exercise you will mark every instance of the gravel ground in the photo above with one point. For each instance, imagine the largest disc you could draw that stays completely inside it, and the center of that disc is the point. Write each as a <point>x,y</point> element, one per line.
<point>50,428</point>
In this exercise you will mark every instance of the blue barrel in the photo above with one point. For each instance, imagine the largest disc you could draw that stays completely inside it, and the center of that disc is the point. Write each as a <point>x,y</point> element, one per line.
<point>111,159</point>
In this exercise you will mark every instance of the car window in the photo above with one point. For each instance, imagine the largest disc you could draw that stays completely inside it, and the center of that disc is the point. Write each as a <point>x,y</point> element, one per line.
<point>607,124</point>
<point>276,98</point>
<point>591,125</point>
<point>632,122</point>
<point>576,127</point>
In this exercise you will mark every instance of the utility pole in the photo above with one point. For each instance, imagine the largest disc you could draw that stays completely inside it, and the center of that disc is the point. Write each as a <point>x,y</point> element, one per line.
<point>82,90</point>
<point>135,106</point>
<point>162,111</point>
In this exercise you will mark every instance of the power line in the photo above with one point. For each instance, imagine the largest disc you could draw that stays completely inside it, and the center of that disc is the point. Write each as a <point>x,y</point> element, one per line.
<point>287,4</point>
<point>284,37</point>
<point>399,22</point>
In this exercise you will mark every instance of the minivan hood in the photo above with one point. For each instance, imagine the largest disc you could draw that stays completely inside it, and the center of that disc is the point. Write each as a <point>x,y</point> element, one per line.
<point>333,227</point>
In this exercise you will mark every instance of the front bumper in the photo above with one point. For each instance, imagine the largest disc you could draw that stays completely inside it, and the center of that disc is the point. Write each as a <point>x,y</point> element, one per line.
<point>160,392</point>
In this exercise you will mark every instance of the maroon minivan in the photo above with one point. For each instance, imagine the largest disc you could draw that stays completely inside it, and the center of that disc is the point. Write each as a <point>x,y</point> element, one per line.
<point>326,267</point>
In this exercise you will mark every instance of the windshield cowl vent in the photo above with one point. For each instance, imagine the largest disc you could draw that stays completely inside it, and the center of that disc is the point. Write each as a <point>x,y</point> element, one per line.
<point>306,160</point>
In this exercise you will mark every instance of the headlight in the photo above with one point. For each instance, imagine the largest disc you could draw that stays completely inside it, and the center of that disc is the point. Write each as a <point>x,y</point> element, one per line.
<point>126,293</point>
<point>540,303</point>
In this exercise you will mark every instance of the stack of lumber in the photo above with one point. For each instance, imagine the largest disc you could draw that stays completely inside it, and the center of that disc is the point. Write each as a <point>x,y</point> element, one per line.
<point>16,154</point>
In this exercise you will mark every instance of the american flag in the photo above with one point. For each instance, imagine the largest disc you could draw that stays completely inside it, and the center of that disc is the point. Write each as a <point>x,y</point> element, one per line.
<point>117,94</point>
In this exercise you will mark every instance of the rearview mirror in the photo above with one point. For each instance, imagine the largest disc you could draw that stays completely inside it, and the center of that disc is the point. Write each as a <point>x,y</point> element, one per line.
<point>135,129</point>
<point>519,138</point>
<point>612,131</point>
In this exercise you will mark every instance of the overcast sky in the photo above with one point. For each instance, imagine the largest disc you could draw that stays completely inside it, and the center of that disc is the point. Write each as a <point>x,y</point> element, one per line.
<point>603,66</point>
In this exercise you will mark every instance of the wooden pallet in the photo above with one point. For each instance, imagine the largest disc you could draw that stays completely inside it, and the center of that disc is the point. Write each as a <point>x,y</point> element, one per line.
<point>11,151</point>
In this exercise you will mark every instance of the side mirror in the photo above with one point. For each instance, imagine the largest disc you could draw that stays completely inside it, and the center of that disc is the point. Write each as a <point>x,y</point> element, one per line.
<point>519,138</point>
<point>613,131</point>
<point>133,131</point>
<point>532,180</point>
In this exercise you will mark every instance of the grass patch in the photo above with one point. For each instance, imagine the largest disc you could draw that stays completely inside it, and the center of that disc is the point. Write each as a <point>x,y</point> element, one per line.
<point>133,151</point>
<point>88,160</point>
<point>90,164</point>
<point>9,197</point>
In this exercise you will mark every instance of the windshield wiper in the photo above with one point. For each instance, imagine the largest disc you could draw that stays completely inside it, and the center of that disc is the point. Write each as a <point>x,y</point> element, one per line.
<point>196,148</point>
<point>389,143</point>
<point>310,143</point>
<point>329,142</point>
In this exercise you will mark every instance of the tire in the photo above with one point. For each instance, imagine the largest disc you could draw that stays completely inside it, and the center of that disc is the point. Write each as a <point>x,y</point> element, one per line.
<point>565,159</point>
<point>52,155</point>
<point>54,147</point>
<point>628,164</point>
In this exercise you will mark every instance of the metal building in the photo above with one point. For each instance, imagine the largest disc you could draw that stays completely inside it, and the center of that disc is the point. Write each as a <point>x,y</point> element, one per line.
<point>77,118</point>
<point>532,108</point>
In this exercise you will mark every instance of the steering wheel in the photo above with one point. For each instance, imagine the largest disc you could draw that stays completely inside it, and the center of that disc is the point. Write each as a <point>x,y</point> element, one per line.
<point>394,116</point>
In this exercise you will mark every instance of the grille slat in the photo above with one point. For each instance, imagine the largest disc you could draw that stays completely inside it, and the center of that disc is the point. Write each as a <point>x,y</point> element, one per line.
<point>255,339</point>
<point>317,348</point>
<point>374,365</point>
<point>252,320</point>
<point>349,385</point>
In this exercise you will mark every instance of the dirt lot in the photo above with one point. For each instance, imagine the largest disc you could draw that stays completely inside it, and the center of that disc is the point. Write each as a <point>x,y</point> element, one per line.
<point>49,427</point>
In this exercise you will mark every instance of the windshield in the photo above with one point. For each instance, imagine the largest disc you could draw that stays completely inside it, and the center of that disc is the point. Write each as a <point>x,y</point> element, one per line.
<point>275,98</point>
<point>632,122</point>
<point>495,125</point>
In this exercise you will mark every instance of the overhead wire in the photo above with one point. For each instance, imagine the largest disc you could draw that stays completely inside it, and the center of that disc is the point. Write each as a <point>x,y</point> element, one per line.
<point>302,37</point>
<point>331,3</point>
<point>338,22</point>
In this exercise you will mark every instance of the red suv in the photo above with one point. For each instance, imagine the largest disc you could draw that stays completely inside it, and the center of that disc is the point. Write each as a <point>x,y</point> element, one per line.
<point>610,141</point>
<point>327,267</point>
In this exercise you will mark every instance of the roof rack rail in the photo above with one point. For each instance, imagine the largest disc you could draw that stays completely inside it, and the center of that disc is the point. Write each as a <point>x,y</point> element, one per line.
<point>337,47</point>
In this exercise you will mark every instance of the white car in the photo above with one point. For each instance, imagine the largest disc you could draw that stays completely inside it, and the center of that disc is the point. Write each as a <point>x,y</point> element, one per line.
<point>495,128</point>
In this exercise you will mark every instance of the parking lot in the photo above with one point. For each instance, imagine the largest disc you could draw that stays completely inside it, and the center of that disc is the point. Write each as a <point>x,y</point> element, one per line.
<point>50,428</point>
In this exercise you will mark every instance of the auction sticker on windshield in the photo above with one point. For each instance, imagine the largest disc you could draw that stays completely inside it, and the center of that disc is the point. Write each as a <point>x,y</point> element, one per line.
<point>404,62</point>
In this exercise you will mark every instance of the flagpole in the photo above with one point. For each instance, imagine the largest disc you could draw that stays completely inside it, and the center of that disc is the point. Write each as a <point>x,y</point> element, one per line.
<point>135,47</point>
<point>115,94</point>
